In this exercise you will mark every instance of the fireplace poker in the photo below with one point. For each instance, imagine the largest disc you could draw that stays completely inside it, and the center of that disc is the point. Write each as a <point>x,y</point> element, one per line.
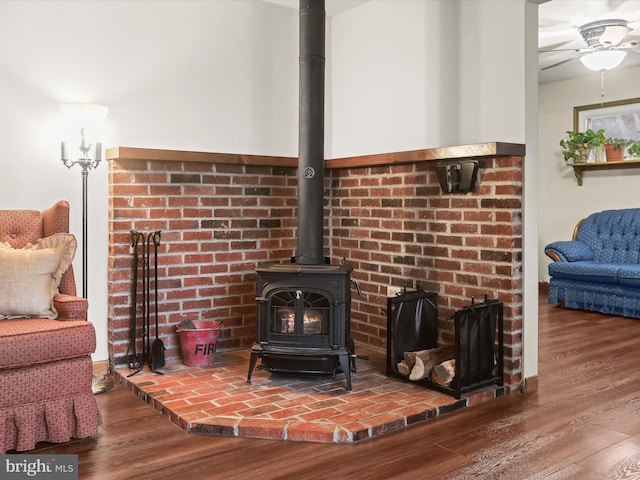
<point>157,350</point>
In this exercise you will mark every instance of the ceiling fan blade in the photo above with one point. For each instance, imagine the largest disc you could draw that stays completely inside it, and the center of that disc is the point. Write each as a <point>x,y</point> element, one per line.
<point>555,46</point>
<point>571,32</point>
<point>554,24</point>
<point>613,4</point>
<point>559,63</point>
<point>577,50</point>
<point>624,46</point>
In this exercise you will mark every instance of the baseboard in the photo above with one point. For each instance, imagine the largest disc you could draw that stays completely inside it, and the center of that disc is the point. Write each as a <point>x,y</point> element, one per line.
<point>530,384</point>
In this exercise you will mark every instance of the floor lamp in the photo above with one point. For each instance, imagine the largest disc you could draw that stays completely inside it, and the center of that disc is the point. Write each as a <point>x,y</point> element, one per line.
<point>85,116</point>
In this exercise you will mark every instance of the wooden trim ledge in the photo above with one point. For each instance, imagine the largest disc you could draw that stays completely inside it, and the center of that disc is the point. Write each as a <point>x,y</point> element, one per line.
<point>479,150</point>
<point>132,153</point>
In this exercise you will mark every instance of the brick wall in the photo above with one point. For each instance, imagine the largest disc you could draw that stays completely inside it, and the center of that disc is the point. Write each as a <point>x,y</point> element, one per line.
<point>392,223</point>
<point>217,223</point>
<point>397,228</point>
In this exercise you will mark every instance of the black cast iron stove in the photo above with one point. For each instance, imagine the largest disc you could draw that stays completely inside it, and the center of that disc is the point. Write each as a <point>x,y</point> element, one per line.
<point>303,308</point>
<point>303,320</point>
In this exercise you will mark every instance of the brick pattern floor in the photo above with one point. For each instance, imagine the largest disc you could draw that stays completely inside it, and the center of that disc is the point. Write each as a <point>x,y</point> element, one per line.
<point>313,408</point>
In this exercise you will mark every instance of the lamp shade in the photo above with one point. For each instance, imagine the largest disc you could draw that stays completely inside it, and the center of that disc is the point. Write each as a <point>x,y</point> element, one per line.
<point>83,115</point>
<point>603,59</point>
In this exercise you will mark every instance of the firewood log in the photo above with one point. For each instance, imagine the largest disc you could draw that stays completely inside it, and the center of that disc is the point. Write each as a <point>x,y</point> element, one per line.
<point>410,357</point>
<point>443,374</point>
<point>403,368</point>
<point>425,361</point>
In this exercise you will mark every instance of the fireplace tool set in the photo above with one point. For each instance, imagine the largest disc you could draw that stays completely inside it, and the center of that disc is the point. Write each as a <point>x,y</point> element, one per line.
<point>152,354</point>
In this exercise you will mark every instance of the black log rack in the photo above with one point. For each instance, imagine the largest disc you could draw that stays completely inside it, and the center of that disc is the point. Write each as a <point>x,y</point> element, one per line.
<point>412,325</point>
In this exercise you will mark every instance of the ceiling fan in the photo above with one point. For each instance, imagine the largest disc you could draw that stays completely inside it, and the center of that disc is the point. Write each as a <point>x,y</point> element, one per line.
<point>607,43</point>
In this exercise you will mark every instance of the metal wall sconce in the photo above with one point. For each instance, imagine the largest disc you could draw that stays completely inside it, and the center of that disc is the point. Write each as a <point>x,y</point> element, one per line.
<point>458,177</point>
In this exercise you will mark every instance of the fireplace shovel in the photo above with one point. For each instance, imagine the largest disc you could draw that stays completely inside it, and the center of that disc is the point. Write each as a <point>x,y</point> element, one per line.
<point>134,362</point>
<point>158,348</point>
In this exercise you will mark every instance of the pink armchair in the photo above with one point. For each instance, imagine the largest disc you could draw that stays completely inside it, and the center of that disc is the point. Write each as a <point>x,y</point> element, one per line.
<point>45,363</point>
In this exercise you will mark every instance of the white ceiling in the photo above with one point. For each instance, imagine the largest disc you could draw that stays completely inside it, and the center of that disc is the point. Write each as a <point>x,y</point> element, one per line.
<point>558,22</point>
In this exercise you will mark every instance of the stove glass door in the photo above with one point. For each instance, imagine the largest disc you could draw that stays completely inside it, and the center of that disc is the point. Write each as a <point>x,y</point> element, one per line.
<point>298,313</point>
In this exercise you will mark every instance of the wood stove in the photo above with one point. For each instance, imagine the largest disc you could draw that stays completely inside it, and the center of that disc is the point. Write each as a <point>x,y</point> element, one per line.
<point>303,308</point>
<point>303,320</point>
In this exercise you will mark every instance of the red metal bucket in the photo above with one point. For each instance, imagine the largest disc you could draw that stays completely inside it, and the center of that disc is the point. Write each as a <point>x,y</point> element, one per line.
<point>199,344</point>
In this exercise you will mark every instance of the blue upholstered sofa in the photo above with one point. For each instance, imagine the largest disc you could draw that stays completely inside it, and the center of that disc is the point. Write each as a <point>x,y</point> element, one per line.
<point>599,270</point>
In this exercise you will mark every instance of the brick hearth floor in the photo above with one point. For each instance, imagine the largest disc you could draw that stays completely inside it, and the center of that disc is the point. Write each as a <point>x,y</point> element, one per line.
<point>314,408</point>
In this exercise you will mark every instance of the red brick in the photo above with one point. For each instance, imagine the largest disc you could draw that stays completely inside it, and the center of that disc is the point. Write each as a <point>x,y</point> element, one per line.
<point>386,210</point>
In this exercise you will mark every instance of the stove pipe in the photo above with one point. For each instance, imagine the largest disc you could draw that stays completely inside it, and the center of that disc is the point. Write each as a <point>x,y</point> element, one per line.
<point>311,133</point>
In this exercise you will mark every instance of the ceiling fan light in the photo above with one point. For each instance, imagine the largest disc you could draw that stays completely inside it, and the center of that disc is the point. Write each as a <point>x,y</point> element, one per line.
<point>603,60</point>
<point>614,34</point>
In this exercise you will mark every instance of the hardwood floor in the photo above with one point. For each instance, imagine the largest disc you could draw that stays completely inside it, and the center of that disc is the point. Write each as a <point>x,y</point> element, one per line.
<point>583,423</point>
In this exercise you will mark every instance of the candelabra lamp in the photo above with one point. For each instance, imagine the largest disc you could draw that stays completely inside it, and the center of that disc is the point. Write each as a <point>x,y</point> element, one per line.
<point>85,116</point>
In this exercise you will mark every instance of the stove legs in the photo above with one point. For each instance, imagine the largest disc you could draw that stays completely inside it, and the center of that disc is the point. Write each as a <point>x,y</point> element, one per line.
<point>255,353</point>
<point>345,364</point>
<point>345,358</point>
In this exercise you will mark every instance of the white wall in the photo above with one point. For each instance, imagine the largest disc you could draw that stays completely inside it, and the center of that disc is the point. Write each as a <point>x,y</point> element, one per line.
<point>561,201</point>
<point>215,76</point>
<point>222,76</point>
<point>415,74</point>
<point>530,194</point>
<point>388,89</point>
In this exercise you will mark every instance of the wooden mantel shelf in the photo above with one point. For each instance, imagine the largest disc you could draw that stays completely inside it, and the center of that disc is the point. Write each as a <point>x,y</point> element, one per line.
<point>133,153</point>
<point>461,152</point>
<point>580,168</point>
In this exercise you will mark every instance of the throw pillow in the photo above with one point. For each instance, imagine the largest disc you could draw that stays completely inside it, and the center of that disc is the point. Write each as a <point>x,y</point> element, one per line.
<point>30,276</point>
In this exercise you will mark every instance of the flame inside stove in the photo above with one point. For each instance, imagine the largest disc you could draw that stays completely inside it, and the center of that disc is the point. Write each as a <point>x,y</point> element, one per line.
<point>314,321</point>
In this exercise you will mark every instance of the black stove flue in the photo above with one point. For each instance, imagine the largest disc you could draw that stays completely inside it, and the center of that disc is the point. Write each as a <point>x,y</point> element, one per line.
<point>303,308</point>
<point>311,133</point>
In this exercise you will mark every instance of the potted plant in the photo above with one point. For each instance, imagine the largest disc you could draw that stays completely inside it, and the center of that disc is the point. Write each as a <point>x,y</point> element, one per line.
<point>578,145</point>
<point>634,149</point>
<point>615,148</point>
<point>598,141</point>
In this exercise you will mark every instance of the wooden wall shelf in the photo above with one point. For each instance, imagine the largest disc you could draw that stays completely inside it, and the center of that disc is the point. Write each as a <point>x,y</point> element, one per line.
<point>580,168</point>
